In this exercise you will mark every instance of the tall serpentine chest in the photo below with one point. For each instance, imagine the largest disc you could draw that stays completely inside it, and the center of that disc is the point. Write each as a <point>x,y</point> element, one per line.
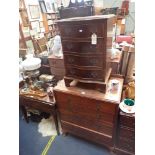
<point>86,42</point>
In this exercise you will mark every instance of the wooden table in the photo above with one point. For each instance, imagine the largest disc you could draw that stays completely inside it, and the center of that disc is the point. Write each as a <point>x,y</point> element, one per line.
<point>44,104</point>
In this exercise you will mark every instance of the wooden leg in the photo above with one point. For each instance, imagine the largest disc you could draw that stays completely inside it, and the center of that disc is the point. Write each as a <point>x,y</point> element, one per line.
<point>56,123</point>
<point>24,111</point>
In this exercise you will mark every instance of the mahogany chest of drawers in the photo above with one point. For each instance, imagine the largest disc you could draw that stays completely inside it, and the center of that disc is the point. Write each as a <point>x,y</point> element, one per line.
<point>87,113</point>
<point>125,139</point>
<point>85,43</point>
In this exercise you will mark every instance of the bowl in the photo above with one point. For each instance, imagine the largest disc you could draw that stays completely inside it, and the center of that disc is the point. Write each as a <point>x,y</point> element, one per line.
<point>128,104</point>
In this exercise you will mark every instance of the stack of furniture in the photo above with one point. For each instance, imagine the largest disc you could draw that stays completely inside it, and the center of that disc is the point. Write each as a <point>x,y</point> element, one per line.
<point>125,140</point>
<point>83,110</point>
<point>86,42</point>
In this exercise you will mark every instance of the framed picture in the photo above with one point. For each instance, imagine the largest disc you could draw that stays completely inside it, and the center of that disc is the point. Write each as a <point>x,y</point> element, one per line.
<point>49,7</point>
<point>36,25</point>
<point>24,18</point>
<point>42,6</point>
<point>34,11</point>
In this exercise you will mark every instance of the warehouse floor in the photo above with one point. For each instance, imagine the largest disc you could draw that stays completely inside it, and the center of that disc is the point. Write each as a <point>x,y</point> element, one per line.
<point>31,142</point>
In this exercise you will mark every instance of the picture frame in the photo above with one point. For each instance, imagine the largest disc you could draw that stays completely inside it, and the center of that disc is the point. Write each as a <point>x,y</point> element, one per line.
<point>36,25</point>
<point>34,11</point>
<point>24,18</point>
<point>42,6</point>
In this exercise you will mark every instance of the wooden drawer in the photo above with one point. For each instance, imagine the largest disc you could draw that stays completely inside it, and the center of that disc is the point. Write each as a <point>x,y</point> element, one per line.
<point>88,73</point>
<point>127,121</point>
<point>127,134</point>
<point>81,30</point>
<point>87,122</point>
<point>83,46</point>
<point>39,105</point>
<point>87,134</point>
<point>72,103</point>
<point>86,60</point>
<point>127,145</point>
<point>85,105</point>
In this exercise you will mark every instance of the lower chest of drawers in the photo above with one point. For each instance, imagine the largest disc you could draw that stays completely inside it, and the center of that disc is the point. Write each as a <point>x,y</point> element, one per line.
<point>90,114</point>
<point>126,133</point>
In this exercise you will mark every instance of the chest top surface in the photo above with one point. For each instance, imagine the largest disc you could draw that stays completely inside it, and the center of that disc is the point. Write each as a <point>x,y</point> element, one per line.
<point>87,18</point>
<point>93,94</point>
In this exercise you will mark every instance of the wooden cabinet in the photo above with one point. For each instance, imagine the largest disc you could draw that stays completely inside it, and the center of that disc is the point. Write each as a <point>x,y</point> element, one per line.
<point>80,11</point>
<point>88,113</point>
<point>85,43</point>
<point>125,139</point>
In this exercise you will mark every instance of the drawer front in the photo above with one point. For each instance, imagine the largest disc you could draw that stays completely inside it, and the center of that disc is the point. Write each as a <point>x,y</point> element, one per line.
<point>75,104</point>
<point>82,46</point>
<point>38,105</point>
<point>105,110</point>
<point>127,145</point>
<point>87,122</point>
<point>87,134</point>
<point>86,74</point>
<point>127,134</point>
<point>127,121</point>
<point>81,31</point>
<point>96,61</point>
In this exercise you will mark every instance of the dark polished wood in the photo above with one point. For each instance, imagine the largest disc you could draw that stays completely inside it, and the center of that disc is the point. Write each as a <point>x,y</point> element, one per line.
<point>88,113</point>
<point>80,11</point>
<point>44,104</point>
<point>84,60</point>
<point>125,139</point>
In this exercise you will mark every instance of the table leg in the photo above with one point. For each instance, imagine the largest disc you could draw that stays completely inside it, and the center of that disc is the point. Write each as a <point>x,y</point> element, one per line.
<point>24,111</point>
<point>56,123</point>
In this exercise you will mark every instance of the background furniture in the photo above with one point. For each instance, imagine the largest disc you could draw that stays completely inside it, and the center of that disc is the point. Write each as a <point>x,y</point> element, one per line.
<point>45,104</point>
<point>85,59</point>
<point>76,12</point>
<point>77,9</point>
<point>88,113</point>
<point>56,66</point>
<point>115,64</point>
<point>125,140</point>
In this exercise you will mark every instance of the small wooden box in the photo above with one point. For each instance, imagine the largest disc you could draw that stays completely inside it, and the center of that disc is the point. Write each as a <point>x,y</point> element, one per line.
<point>56,66</point>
